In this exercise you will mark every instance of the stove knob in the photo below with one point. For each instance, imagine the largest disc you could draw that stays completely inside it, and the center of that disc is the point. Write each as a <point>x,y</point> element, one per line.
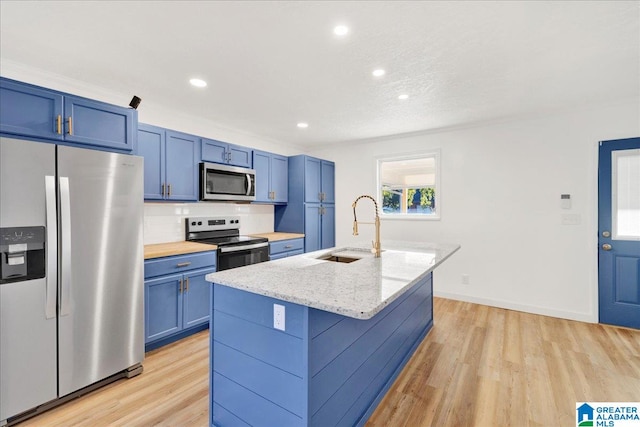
<point>193,223</point>
<point>199,222</point>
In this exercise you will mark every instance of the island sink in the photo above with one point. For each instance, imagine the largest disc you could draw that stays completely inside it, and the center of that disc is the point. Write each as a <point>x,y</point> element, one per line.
<point>338,258</point>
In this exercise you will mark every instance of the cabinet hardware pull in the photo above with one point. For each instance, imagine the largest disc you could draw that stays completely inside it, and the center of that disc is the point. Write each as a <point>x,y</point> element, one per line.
<point>70,126</point>
<point>183,264</point>
<point>288,246</point>
<point>181,284</point>
<point>163,189</point>
<point>230,155</point>
<point>169,190</point>
<point>320,196</point>
<point>274,195</point>
<point>187,284</point>
<point>59,124</point>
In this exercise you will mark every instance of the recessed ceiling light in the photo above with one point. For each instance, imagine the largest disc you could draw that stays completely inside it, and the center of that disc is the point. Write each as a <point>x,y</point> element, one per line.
<point>303,125</point>
<point>341,30</point>
<point>198,83</point>
<point>403,96</point>
<point>379,72</point>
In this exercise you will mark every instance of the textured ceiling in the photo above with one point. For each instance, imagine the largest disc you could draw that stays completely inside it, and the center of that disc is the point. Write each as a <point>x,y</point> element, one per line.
<point>270,65</point>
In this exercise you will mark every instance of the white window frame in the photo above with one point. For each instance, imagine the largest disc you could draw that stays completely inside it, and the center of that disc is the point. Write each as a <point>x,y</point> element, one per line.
<point>411,156</point>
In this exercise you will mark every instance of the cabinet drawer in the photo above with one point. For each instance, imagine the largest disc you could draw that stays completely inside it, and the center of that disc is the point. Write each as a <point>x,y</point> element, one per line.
<point>178,264</point>
<point>286,246</point>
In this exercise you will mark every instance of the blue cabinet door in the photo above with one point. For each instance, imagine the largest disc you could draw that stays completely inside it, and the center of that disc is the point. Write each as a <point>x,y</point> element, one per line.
<point>214,151</point>
<point>196,297</point>
<point>240,156</point>
<point>312,228</point>
<point>30,111</point>
<point>181,166</point>
<point>262,166</point>
<point>279,178</point>
<point>162,306</point>
<point>151,146</point>
<point>328,182</point>
<point>98,124</point>
<point>328,226</point>
<point>278,256</point>
<point>312,183</point>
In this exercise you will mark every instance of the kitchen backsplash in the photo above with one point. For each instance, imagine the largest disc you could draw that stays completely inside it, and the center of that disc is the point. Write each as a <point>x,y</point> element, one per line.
<point>164,222</point>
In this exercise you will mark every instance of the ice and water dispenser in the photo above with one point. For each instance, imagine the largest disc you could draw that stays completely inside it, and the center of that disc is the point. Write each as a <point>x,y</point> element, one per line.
<point>22,253</point>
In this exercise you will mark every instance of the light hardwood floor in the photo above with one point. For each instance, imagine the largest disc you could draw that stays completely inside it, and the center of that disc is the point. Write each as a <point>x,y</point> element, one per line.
<point>479,366</point>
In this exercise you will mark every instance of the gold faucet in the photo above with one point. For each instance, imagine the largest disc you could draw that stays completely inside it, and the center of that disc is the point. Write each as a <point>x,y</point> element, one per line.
<point>376,244</point>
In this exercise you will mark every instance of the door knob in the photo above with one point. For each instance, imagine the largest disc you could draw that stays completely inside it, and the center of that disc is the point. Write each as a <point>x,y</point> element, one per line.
<point>606,247</point>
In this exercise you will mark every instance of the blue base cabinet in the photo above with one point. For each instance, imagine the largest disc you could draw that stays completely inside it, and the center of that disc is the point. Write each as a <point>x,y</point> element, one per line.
<point>176,297</point>
<point>170,163</point>
<point>223,152</point>
<point>311,206</point>
<point>272,172</point>
<point>35,112</point>
<point>324,369</point>
<point>285,248</point>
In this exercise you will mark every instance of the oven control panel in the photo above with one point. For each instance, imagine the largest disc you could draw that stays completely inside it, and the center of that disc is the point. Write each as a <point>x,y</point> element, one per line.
<point>209,223</point>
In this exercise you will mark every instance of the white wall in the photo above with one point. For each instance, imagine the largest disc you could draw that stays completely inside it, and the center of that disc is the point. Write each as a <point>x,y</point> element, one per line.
<point>500,199</point>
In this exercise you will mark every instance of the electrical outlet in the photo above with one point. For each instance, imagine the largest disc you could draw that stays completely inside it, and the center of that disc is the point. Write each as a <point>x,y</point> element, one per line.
<point>278,317</point>
<point>465,279</point>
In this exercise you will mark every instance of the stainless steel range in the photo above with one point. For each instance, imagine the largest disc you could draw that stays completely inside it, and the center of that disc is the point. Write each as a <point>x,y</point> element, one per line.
<point>234,250</point>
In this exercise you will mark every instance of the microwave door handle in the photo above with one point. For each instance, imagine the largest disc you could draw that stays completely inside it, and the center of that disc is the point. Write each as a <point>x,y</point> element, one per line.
<point>248,185</point>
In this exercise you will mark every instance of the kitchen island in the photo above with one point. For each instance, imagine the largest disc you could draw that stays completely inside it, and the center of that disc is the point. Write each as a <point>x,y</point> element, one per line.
<point>317,339</point>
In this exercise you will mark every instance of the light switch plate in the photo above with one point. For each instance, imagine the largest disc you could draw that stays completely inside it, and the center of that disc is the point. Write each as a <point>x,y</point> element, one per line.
<point>278,317</point>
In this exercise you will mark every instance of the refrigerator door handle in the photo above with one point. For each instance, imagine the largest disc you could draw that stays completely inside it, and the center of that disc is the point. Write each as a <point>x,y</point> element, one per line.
<point>65,258</point>
<point>52,247</point>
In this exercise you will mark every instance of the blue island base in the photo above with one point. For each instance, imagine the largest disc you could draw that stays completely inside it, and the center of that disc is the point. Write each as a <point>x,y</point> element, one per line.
<point>323,370</point>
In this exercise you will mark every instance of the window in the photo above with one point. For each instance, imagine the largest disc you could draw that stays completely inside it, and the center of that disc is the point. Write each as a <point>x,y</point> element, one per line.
<point>408,186</point>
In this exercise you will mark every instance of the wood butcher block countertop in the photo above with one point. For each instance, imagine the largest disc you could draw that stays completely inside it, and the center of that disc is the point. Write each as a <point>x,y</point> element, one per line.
<point>159,250</point>
<point>274,237</point>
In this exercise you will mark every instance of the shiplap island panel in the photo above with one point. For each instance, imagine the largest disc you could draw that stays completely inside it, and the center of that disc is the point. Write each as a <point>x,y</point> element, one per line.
<point>348,330</point>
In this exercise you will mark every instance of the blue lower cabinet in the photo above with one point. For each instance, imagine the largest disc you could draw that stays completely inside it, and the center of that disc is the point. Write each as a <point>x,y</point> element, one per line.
<point>176,297</point>
<point>285,248</point>
<point>323,369</point>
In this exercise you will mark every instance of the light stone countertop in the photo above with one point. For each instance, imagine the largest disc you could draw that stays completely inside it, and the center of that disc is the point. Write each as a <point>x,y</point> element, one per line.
<point>359,289</point>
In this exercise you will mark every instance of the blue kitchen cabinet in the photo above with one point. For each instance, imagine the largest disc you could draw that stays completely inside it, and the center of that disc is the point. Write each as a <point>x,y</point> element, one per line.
<point>223,152</point>
<point>285,248</point>
<point>177,296</point>
<point>170,163</point>
<point>319,180</point>
<point>36,112</point>
<point>311,206</point>
<point>319,226</point>
<point>30,111</point>
<point>271,177</point>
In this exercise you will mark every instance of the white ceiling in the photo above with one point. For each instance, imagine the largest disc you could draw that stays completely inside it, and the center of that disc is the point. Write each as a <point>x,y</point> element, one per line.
<point>270,65</point>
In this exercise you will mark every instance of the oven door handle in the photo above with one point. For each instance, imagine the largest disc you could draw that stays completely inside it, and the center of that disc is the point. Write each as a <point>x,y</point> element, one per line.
<point>227,249</point>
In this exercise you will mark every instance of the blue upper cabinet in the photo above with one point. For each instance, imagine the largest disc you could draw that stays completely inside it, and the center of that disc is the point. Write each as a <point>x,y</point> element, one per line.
<point>30,111</point>
<point>182,166</point>
<point>223,152</point>
<point>96,123</point>
<point>271,177</point>
<point>170,163</point>
<point>151,146</point>
<point>35,112</point>
<point>319,180</point>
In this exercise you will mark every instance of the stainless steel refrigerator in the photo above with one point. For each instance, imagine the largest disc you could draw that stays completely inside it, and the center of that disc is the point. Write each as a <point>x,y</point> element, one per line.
<point>71,294</point>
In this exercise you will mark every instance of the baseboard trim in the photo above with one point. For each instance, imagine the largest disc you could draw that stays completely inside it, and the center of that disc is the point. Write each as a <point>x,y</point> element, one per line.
<point>544,311</point>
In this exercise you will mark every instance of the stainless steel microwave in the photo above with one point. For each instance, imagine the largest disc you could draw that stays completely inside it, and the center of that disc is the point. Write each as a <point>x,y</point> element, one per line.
<point>227,183</point>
